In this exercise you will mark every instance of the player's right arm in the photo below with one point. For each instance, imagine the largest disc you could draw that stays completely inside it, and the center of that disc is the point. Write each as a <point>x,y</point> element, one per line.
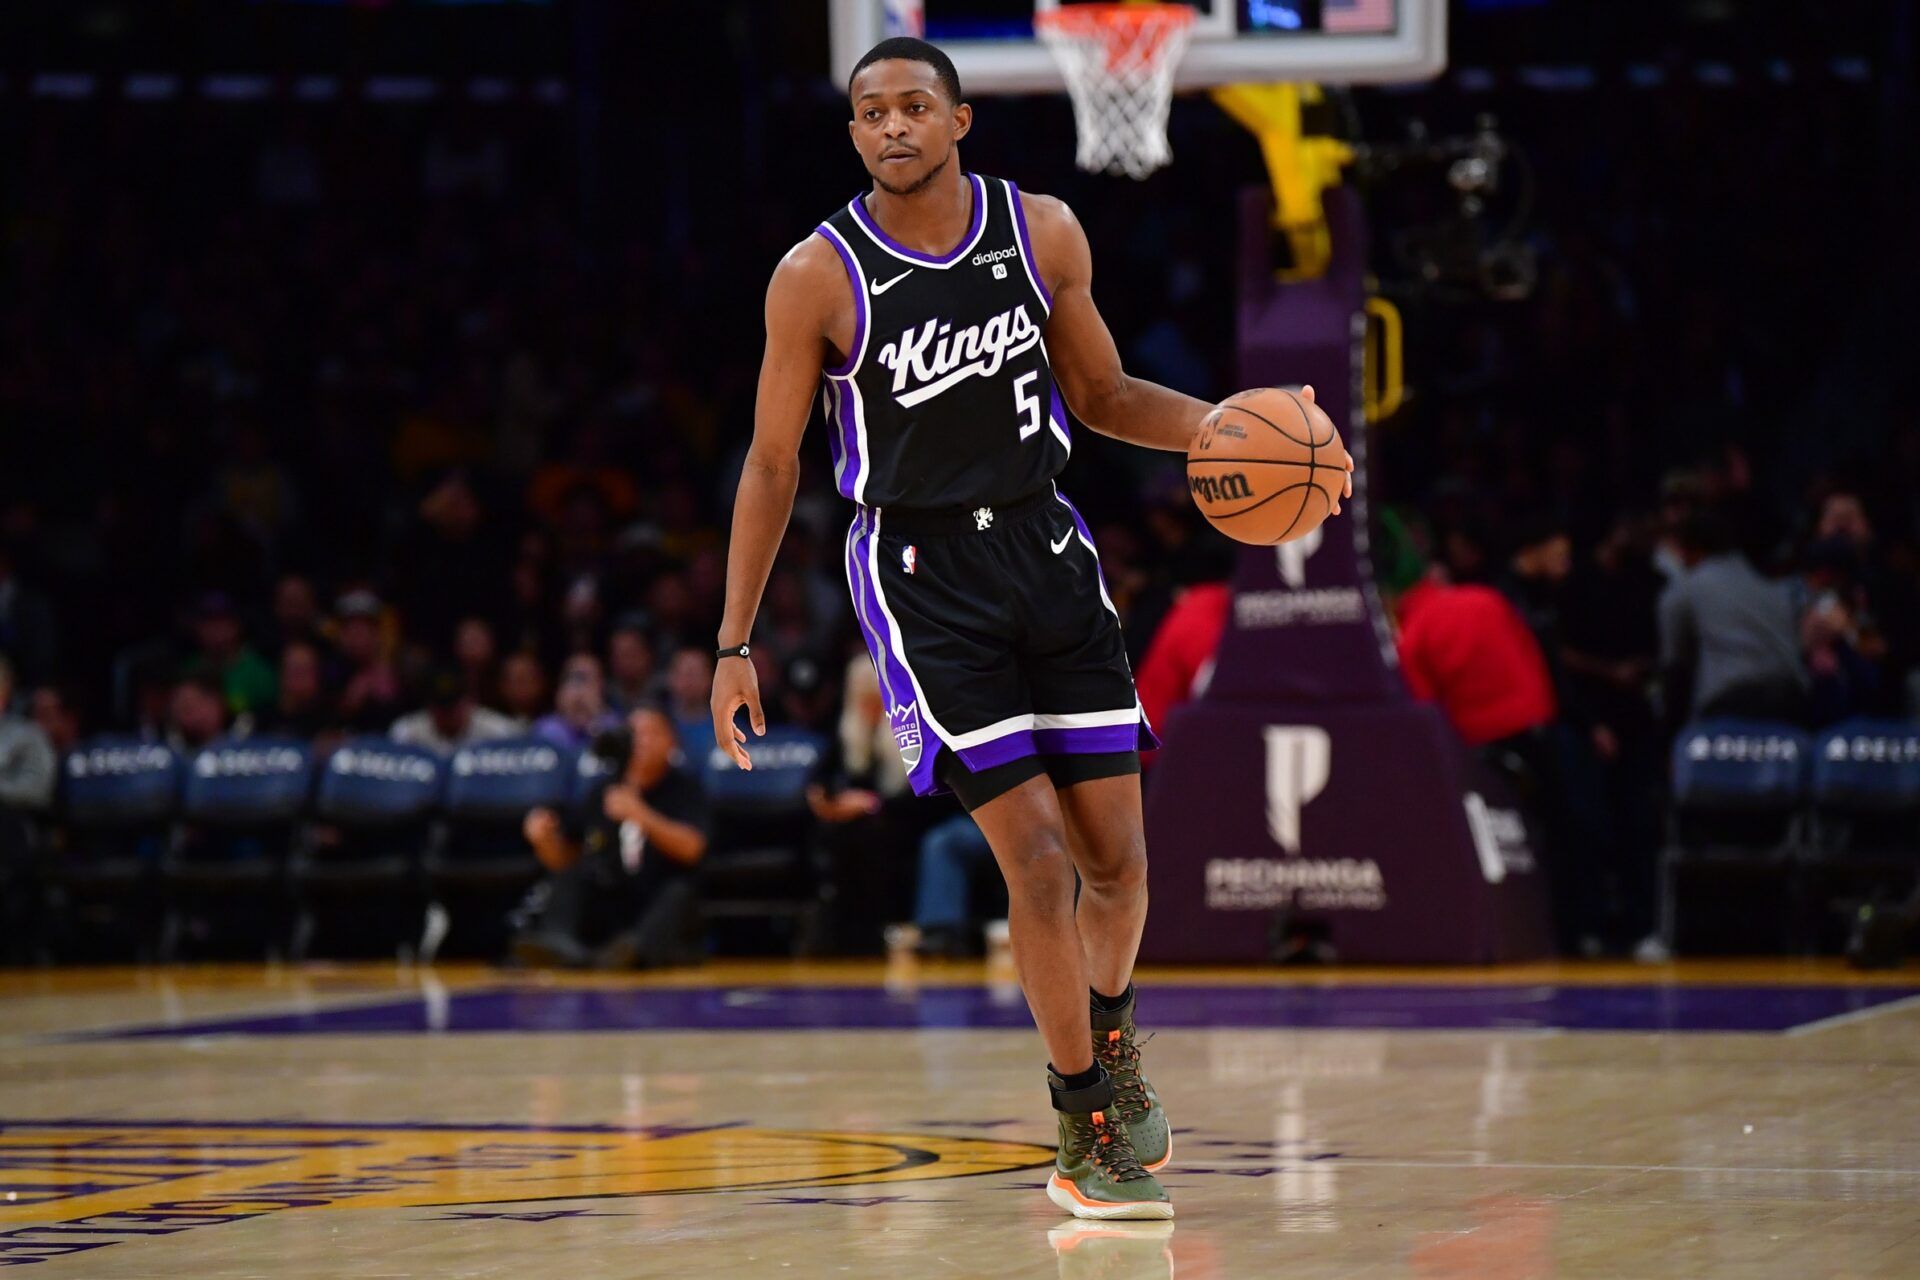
<point>809,303</point>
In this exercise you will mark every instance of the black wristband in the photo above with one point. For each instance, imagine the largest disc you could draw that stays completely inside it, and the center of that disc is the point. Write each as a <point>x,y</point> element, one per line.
<point>730,651</point>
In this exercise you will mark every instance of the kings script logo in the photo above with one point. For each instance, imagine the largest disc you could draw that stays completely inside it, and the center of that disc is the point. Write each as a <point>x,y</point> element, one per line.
<point>932,357</point>
<point>76,1186</point>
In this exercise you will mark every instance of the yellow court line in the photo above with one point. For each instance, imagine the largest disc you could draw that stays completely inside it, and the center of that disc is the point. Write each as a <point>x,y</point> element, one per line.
<point>374,979</point>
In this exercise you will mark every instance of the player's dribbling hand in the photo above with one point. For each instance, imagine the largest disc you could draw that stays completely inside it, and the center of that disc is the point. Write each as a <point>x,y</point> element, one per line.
<point>736,685</point>
<point>1306,393</point>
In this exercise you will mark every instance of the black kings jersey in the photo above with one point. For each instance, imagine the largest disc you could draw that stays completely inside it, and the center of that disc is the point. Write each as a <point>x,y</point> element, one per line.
<point>946,399</point>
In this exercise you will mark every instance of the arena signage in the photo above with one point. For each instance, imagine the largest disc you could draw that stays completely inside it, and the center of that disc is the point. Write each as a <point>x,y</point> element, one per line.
<point>505,761</point>
<point>119,761</point>
<point>383,766</point>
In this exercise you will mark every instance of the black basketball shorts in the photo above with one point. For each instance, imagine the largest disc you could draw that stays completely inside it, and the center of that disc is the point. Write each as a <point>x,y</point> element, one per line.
<point>993,635</point>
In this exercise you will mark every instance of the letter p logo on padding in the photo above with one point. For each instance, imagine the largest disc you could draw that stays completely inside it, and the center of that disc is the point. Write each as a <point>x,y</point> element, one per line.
<point>1299,761</point>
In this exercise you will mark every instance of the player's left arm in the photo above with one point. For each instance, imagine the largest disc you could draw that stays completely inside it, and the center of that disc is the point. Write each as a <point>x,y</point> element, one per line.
<point>1085,362</point>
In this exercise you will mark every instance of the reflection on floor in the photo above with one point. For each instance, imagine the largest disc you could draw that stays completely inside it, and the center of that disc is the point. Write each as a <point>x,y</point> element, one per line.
<point>855,1120</point>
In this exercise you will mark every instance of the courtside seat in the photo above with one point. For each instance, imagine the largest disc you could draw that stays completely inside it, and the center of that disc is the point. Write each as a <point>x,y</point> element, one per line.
<point>1866,789</point>
<point>1738,803</point>
<point>759,861</point>
<point>484,864</point>
<point>1864,845</point>
<point>242,803</point>
<point>117,801</point>
<point>375,814</point>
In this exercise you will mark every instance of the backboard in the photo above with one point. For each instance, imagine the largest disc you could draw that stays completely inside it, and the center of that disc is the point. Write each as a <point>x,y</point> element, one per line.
<point>1327,41</point>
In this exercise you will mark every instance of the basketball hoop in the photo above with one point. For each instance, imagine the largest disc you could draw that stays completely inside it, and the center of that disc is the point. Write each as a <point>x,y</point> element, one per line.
<point>1118,61</point>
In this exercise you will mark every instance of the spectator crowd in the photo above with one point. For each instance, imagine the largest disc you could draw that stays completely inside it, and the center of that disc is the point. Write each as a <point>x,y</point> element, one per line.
<point>342,429</point>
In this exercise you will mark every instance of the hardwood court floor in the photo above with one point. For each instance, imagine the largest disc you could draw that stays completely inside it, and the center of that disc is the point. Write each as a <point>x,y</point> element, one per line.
<point>1751,1120</point>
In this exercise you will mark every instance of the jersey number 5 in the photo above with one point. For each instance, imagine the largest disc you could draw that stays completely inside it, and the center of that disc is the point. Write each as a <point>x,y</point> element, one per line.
<point>1027,404</point>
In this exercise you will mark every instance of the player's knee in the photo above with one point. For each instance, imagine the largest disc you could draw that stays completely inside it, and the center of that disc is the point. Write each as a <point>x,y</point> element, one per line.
<point>1040,871</point>
<point>1119,866</point>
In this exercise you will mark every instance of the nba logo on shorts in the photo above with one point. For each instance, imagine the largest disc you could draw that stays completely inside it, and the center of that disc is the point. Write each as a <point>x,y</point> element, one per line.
<point>908,556</point>
<point>1299,760</point>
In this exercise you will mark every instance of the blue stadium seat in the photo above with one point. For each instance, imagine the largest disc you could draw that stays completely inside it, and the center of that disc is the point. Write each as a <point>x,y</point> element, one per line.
<point>241,807</point>
<point>117,801</point>
<point>484,863</point>
<point>1868,767</point>
<point>356,873</point>
<point>1739,800</point>
<point>760,857</point>
<point>1865,840</point>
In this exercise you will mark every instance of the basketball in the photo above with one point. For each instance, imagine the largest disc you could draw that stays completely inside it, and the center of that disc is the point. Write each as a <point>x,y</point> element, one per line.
<point>1266,467</point>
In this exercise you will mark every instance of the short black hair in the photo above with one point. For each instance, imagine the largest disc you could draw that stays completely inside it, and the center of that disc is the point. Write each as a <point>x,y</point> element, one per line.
<point>912,50</point>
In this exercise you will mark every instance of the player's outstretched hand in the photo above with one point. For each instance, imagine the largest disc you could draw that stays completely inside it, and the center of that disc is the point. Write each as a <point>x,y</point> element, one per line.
<point>736,685</point>
<point>1306,393</point>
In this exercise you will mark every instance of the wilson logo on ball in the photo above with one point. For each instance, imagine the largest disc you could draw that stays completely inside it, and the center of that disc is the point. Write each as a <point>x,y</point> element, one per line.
<point>1220,488</point>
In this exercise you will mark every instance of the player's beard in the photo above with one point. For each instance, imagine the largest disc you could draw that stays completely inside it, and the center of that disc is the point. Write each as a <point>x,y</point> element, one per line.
<point>918,184</point>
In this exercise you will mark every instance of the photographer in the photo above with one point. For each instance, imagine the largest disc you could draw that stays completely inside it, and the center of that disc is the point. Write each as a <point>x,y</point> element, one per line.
<point>621,892</point>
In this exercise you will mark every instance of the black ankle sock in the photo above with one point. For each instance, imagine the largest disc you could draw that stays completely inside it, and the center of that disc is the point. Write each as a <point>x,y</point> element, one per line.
<point>1079,1079</point>
<point>1109,1004</point>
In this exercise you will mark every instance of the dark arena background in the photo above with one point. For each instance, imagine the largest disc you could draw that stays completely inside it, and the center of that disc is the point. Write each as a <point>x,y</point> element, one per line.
<point>1534,847</point>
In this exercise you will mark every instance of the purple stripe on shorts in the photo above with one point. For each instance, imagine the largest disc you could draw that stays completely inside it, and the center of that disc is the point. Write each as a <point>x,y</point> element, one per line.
<point>896,683</point>
<point>1026,247</point>
<point>859,302</point>
<point>859,207</point>
<point>1007,747</point>
<point>1100,738</point>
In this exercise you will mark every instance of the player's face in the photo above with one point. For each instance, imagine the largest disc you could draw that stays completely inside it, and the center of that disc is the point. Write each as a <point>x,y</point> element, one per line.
<point>903,126</point>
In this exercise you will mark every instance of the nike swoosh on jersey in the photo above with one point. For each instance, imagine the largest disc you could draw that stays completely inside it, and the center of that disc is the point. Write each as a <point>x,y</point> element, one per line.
<point>1061,545</point>
<point>879,288</point>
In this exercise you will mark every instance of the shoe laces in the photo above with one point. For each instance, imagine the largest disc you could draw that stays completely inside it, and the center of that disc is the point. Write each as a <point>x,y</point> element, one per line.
<point>1108,1146</point>
<point>1121,1057</point>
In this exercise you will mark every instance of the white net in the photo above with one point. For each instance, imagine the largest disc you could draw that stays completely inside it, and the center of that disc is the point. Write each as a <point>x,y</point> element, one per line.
<point>1119,60</point>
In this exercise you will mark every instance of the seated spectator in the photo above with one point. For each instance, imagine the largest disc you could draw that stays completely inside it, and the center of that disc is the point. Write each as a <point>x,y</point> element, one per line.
<point>523,689</point>
<point>579,705</point>
<point>1859,622</point>
<point>950,854</point>
<point>1466,648</point>
<point>370,689</point>
<point>196,715</point>
<point>296,613</point>
<point>28,771</point>
<point>27,631</point>
<point>690,686</point>
<point>223,655</point>
<point>1727,635</point>
<point>621,892</point>
<point>303,707</point>
<point>807,699</point>
<point>1179,661</point>
<point>27,762</point>
<point>52,708</point>
<point>451,719</point>
<point>476,655</point>
<point>629,665</point>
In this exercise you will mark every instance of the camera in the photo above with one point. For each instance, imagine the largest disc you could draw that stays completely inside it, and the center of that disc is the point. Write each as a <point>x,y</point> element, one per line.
<point>613,748</point>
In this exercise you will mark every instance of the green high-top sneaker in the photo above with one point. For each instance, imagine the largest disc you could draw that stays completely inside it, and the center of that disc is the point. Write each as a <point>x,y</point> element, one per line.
<point>1096,1173</point>
<point>1134,1100</point>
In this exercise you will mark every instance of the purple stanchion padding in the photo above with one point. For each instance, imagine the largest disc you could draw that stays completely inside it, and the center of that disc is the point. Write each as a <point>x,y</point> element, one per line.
<point>1306,788</point>
<point>1391,1007</point>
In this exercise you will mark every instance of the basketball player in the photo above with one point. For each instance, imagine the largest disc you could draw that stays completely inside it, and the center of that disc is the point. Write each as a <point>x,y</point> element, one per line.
<point>939,309</point>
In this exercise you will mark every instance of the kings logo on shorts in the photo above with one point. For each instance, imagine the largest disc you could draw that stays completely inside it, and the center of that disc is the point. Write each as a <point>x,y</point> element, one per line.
<point>906,732</point>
